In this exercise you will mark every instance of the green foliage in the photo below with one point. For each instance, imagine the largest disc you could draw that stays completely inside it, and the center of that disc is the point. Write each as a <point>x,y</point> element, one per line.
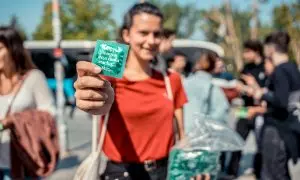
<point>88,19</point>
<point>210,26</point>
<point>287,17</point>
<point>182,19</point>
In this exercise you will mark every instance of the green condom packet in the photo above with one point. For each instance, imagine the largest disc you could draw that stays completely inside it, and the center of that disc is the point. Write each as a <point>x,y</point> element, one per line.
<point>110,57</point>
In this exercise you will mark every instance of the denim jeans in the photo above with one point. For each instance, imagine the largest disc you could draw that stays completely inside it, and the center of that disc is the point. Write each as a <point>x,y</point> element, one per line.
<point>129,171</point>
<point>5,175</point>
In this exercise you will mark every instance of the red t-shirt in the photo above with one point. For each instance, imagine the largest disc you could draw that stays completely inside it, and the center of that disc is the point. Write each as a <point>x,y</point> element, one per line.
<point>140,125</point>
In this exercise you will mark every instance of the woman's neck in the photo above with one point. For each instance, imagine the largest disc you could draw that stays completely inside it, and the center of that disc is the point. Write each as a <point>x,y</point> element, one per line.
<point>137,67</point>
<point>8,82</point>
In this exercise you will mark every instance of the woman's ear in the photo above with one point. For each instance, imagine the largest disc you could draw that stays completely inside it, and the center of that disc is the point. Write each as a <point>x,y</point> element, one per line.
<point>125,35</point>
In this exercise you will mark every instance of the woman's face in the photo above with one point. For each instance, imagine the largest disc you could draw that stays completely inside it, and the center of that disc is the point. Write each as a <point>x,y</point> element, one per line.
<point>202,64</point>
<point>4,57</point>
<point>179,63</point>
<point>144,36</point>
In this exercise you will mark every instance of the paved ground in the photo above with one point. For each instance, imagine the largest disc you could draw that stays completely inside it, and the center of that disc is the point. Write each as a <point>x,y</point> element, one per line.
<point>80,141</point>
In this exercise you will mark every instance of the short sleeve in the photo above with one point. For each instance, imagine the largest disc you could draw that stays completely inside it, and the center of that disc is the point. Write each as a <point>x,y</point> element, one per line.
<point>179,94</point>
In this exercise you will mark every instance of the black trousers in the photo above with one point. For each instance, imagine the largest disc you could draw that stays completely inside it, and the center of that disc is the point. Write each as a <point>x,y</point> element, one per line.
<point>275,157</point>
<point>243,128</point>
<point>130,171</point>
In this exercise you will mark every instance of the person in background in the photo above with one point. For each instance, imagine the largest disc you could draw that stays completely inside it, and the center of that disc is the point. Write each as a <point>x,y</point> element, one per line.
<point>225,80</point>
<point>254,59</point>
<point>168,37</point>
<point>177,63</point>
<point>17,71</point>
<point>227,83</point>
<point>280,139</point>
<point>221,72</point>
<point>204,97</point>
<point>165,47</point>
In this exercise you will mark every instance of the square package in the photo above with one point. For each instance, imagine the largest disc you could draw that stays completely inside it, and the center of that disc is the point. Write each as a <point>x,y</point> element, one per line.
<point>110,57</point>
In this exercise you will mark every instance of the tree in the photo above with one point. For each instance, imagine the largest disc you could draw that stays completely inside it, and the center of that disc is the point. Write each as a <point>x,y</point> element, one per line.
<point>254,23</point>
<point>287,17</point>
<point>44,29</point>
<point>228,27</point>
<point>182,19</point>
<point>14,22</point>
<point>89,19</point>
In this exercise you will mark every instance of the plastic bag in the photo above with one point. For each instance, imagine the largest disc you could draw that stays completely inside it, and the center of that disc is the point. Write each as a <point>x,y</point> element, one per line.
<point>199,152</point>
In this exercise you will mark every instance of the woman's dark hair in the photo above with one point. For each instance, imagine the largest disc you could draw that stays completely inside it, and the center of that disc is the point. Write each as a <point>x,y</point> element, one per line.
<point>254,46</point>
<point>135,10</point>
<point>211,58</point>
<point>280,40</point>
<point>168,33</point>
<point>13,41</point>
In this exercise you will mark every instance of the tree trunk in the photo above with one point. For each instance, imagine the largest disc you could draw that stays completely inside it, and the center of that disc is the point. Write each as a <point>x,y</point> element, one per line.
<point>254,21</point>
<point>233,41</point>
<point>296,50</point>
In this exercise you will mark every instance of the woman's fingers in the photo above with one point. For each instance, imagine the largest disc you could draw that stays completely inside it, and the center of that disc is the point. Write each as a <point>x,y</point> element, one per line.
<point>91,94</point>
<point>207,177</point>
<point>87,68</point>
<point>87,105</point>
<point>86,82</point>
<point>202,177</point>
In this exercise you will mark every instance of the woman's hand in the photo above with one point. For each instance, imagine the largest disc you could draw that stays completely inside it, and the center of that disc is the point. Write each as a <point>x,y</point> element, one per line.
<point>202,177</point>
<point>93,94</point>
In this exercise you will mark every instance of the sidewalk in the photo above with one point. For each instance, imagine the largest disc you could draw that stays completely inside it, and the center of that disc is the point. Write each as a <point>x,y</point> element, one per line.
<point>80,142</point>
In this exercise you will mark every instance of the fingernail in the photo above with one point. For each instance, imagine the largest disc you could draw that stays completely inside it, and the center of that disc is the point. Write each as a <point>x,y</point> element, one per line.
<point>97,69</point>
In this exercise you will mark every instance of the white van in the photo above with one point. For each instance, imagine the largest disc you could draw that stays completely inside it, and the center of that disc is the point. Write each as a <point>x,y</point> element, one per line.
<point>42,52</point>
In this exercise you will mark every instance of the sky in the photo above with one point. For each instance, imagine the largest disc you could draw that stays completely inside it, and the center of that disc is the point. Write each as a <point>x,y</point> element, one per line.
<point>30,12</point>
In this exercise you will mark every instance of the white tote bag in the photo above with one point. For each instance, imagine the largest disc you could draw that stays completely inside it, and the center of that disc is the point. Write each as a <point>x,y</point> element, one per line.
<point>89,168</point>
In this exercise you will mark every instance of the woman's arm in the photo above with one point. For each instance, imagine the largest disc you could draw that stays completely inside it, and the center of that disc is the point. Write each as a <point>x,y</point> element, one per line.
<point>179,122</point>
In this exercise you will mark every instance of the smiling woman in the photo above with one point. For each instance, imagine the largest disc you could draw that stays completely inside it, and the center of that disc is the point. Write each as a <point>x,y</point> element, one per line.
<point>139,132</point>
<point>142,31</point>
<point>22,88</point>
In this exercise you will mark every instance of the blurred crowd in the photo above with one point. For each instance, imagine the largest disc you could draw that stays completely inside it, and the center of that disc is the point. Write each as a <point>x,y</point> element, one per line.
<point>161,87</point>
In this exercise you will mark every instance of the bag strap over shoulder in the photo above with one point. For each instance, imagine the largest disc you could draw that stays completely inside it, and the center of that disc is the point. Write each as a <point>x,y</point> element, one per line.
<point>95,132</point>
<point>168,86</point>
<point>16,93</point>
<point>208,100</point>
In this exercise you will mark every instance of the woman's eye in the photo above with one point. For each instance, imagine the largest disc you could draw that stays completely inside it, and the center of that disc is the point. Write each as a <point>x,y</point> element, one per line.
<point>144,33</point>
<point>157,34</point>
